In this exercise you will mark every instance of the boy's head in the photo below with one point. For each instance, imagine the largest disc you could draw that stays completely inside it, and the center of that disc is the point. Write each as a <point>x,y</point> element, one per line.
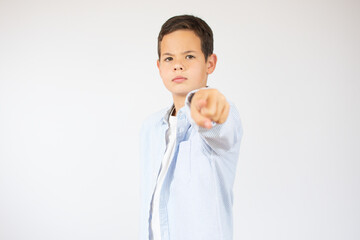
<point>192,23</point>
<point>185,48</point>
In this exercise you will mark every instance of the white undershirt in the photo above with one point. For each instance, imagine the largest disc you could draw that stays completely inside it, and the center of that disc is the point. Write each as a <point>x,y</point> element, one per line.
<point>170,143</point>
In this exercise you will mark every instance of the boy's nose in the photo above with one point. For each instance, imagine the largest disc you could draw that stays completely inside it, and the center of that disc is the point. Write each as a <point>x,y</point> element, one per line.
<point>178,66</point>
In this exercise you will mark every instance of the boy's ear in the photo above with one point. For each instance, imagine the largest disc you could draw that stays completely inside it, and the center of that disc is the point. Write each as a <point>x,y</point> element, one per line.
<point>211,63</point>
<point>158,64</point>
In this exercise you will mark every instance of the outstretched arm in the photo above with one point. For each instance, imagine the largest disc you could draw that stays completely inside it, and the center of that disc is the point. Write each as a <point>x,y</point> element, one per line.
<point>216,119</point>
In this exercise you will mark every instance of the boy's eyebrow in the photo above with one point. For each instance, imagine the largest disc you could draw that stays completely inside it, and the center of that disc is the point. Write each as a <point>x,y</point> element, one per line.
<point>186,52</point>
<point>190,51</point>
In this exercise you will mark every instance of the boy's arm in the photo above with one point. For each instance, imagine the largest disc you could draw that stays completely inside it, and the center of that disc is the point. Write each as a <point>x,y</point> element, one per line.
<point>215,118</point>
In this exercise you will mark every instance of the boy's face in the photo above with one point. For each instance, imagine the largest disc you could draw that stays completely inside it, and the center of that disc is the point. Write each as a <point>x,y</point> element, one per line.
<point>182,64</point>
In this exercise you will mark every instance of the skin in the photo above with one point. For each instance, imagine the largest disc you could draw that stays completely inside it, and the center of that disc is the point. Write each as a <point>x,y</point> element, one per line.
<point>183,68</point>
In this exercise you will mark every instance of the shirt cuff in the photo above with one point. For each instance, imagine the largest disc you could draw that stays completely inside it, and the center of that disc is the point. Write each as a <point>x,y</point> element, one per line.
<point>190,95</point>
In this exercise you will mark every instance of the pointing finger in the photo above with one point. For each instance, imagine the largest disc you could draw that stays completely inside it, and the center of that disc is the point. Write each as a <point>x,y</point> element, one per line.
<point>209,110</point>
<point>199,119</point>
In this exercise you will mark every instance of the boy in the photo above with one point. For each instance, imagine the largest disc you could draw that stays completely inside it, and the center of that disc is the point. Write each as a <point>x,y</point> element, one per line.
<point>190,150</point>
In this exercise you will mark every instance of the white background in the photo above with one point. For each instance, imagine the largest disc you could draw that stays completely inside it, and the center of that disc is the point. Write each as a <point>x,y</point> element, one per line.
<point>77,78</point>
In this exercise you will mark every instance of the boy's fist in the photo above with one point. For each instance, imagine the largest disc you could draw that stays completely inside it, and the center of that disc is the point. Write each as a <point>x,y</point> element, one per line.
<point>209,105</point>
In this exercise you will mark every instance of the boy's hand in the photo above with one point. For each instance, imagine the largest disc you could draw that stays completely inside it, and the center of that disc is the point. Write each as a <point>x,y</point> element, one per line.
<point>209,105</point>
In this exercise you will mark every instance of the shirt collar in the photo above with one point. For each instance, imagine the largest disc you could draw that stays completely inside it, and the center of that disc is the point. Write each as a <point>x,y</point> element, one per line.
<point>165,118</point>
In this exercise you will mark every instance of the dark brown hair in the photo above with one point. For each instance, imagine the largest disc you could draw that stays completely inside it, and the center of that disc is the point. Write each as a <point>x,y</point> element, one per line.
<point>192,23</point>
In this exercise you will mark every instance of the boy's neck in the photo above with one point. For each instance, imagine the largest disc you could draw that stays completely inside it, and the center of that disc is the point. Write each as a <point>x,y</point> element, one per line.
<point>179,102</point>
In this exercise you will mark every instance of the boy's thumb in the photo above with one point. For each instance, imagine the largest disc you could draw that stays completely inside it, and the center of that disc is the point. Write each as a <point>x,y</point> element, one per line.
<point>200,104</point>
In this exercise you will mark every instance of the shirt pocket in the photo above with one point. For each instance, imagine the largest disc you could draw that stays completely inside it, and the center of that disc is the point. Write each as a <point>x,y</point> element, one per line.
<point>182,172</point>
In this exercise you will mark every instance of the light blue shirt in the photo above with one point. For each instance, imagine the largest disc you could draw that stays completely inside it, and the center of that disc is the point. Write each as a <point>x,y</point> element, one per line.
<point>196,197</point>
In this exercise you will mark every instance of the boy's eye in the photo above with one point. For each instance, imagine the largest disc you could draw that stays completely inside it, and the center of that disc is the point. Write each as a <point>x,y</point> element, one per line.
<point>168,59</point>
<point>189,57</point>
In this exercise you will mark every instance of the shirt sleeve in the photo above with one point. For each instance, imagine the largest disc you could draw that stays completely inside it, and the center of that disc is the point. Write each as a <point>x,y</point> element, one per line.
<point>221,137</point>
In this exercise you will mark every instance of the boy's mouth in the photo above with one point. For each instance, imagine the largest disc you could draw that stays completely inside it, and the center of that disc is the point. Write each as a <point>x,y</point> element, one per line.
<point>179,79</point>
